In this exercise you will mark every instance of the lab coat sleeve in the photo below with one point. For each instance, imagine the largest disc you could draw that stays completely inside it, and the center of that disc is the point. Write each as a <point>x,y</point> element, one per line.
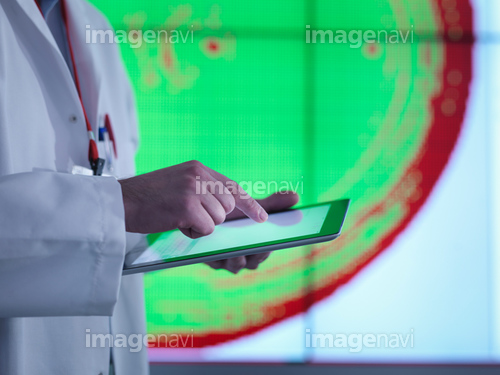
<point>62,244</point>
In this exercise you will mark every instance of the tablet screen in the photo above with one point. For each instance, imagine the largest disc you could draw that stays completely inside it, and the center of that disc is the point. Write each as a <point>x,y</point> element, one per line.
<point>279,227</point>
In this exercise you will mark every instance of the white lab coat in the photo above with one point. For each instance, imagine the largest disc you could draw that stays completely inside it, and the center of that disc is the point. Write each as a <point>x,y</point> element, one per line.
<point>62,236</point>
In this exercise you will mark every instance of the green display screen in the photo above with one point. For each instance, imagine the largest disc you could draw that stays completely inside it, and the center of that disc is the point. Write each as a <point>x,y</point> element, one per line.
<point>250,97</point>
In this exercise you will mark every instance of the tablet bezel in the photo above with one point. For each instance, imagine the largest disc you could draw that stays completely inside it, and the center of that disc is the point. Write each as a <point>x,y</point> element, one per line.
<point>331,229</point>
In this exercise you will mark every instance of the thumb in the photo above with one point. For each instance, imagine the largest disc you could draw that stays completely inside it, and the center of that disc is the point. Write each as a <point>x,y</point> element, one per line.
<point>279,201</point>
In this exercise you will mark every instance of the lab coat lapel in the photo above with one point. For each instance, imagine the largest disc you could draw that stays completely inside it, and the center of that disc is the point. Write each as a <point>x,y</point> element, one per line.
<point>35,32</point>
<point>42,40</point>
<point>31,11</point>
<point>55,80</point>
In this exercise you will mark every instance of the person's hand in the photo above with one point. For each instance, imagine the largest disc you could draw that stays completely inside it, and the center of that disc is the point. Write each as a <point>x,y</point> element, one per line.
<point>188,196</point>
<point>276,202</point>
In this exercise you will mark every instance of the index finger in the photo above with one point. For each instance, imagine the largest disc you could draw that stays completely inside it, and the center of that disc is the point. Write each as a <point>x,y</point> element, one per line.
<point>244,201</point>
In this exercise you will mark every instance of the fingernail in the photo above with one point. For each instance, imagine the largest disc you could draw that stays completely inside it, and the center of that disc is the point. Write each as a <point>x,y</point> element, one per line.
<point>263,215</point>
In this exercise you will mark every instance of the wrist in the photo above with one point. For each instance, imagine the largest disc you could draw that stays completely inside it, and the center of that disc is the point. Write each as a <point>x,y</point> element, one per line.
<point>128,203</point>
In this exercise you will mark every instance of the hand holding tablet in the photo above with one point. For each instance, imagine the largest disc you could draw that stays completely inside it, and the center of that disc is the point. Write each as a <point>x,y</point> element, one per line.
<point>290,228</point>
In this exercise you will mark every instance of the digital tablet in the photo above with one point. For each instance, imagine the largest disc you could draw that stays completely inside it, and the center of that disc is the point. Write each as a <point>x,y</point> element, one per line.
<point>291,228</point>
